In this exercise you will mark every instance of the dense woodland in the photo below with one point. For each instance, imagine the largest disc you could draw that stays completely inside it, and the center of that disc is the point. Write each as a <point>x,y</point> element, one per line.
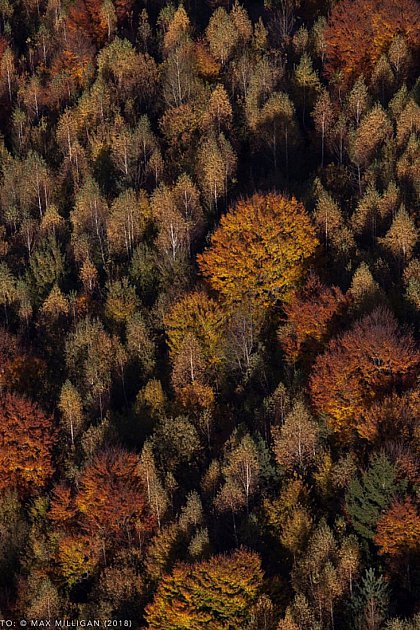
<point>209,304</point>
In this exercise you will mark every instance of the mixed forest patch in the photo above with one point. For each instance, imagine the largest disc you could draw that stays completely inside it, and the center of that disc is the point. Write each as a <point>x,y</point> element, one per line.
<point>209,313</point>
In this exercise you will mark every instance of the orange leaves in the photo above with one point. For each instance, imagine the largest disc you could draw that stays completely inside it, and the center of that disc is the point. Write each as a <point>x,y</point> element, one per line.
<point>360,367</point>
<point>398,530</point>
<point>107,507</point>
<point>309,314</point>
<point>25,445</point>
<point>259,251</point>
<point>360,31</point>
<point>110,496</point>
<point>109,499</point>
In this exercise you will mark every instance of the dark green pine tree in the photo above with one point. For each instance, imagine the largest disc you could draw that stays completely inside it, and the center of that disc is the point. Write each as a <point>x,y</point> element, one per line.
<point>367,497</point>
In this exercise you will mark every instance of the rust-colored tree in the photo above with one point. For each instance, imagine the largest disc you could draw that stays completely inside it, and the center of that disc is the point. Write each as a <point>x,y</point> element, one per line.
<point>310,315</point>
<point>360,368</point>
<point>111,496</point>
<point>260,250</point>
<point>398,530</point>
<point>26,440</point>
<point>360,31</point>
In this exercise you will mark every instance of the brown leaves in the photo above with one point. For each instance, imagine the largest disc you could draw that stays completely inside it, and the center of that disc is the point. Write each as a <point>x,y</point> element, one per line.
<point>309,314</point>
<point>360,31</point>
<point>360,367</point>
<point>398,530</point>
<point>26,440</point>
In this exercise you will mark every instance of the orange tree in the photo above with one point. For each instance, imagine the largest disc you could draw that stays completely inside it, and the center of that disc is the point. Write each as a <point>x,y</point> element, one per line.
<point>360,31</point>
<point>360,368</point>
<point>259,251</point>
<point>26,440</point>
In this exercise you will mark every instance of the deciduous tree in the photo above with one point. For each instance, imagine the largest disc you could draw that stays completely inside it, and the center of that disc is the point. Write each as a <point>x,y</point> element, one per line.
<point>214,593</point>
<point>260,250</point>
<point>358,367</point>
<point>26,441</point>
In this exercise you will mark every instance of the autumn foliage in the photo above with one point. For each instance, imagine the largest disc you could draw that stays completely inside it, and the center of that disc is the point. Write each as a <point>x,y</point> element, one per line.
<point>209,308</point>
<point>360,31</point>
<point>260,250</point>
<point>398,530</point>
<point>309,314</point>
<point>110,498</point>
<point>195,596</point>
<point>358,368</point>
<point>26,439</point>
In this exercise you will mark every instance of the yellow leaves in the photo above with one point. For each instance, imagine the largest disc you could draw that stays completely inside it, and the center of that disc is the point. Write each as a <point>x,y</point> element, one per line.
<point>178,29</point>
<point>56,304</point>
<point>259,251</point>
<point>212,594</point>
<point>77,556</point>
<point>127,221</point>
<point>200,316</point>
<point>402,236</point>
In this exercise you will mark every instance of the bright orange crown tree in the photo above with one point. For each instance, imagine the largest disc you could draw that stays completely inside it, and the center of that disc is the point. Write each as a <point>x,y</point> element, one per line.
<point>260,250</point>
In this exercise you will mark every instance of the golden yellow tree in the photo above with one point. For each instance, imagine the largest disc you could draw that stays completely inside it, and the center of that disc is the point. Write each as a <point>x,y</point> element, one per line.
<point>260,250</point>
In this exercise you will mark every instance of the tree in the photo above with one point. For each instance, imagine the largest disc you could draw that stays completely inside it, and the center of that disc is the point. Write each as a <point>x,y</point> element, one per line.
<point>241,469</point>
<point>359,367</point>
<point>90,360</point>
<point>322,573</point>
<point>358,101</point>
<point>260,250</point>
<point>374,128</point>
<point>88,219</point>
<point>216,165</point>
<point>359,32</point>
<point>111,496</point>
<point>402,237</point>
<point>307,80</point>
<point>177,30</point>
<point>323,115</point>
<point>139,342</point>
<point>310,314</point>
<point>121,302</point>
<point>213,593</point>
<point>221,35</point>
<point>156,495</point>
<point>296,441</point>
<point>368,497</point>
<point>70,405</point>
<point>26,441</point>
<point>275,124</point>
<point>370,604</point>
<point>398,530</point>
<point>135,153</point>
<point>218,114</point>
<point>127,222</point>
<point>77,557</point>
<point>364,292</point>
<point>198,315</point>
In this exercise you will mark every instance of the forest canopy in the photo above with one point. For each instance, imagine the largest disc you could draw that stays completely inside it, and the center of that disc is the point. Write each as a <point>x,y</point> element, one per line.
<point>209,313</point>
